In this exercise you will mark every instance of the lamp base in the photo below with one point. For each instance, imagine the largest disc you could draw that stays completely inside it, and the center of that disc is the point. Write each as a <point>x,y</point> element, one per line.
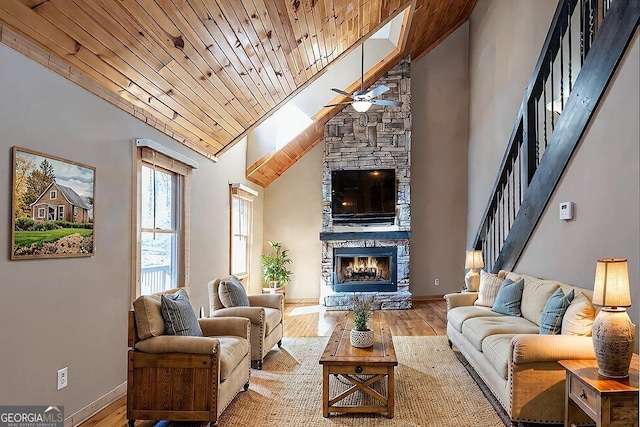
<point>472,280</point>
<point>613,335</point>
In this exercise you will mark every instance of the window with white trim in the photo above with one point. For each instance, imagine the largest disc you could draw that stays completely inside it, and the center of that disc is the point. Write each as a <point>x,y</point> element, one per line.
<point>40,212</point>
<point>53,195</point>
<point>162,222</point>
<point>241,229</point>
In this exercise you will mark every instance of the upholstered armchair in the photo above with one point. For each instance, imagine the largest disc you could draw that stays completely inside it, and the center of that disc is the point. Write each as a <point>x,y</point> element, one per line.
<point>187,378</point>
<point>266,313</point>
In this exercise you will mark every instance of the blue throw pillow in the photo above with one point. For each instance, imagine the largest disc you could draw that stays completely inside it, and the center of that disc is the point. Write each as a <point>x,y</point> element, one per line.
<point>232,293</point>
<point>554,309</point>
<point>179,317</point>
<point>509,298</point>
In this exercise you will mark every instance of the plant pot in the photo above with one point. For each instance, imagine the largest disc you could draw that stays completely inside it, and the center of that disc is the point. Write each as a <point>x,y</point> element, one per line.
<point>362,339</point>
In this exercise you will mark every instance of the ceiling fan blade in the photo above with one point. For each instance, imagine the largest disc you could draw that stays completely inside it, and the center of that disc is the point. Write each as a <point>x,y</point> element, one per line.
<point>376,92</point>
<point>341,92</point>
<point>386,102</point>
<point>339,103</point>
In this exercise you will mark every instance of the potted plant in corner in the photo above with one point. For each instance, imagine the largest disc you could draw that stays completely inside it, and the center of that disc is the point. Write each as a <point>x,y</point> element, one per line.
<point>361,335</point>
<point>274,267</point>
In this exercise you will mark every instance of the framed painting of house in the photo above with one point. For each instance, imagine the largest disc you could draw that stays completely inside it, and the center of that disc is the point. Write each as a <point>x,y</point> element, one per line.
<point>52,207</point>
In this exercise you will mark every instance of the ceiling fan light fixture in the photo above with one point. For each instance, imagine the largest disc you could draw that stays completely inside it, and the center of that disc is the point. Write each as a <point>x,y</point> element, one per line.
<point>361,106</point>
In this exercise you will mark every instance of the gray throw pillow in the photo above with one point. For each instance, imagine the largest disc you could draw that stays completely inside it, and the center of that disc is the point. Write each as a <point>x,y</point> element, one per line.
<point>554,309</point>
<point>232,293</point>
<point>179,317</point>
<point>509,298</point>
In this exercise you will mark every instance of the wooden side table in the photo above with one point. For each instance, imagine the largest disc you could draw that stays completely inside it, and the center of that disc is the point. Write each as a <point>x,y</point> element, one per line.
<point>609,402</point>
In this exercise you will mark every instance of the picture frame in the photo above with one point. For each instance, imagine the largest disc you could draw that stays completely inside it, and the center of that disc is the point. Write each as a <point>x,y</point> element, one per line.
<point>52,206</point>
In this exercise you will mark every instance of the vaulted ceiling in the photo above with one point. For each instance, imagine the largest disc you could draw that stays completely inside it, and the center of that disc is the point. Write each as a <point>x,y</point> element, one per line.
<point>207,72</point>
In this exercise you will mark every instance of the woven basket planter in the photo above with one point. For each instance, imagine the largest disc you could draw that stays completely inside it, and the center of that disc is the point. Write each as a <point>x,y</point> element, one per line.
<point>362,339</point>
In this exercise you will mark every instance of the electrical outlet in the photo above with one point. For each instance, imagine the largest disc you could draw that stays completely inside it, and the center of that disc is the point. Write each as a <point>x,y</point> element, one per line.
<point>437,282</point>
<point>63,378</point>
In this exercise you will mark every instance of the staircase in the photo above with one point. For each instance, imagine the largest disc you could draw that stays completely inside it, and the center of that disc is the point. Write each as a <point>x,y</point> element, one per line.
<point>583,47</point>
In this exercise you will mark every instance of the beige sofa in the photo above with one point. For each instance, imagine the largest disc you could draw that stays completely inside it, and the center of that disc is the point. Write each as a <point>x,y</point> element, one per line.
<point>519,365</point>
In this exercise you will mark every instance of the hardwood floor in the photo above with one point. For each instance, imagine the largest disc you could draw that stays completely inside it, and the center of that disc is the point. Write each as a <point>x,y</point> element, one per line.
<point>426,318</point>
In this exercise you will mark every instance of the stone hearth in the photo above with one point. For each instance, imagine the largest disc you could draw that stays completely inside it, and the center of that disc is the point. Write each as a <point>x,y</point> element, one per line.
<point>377,139</point>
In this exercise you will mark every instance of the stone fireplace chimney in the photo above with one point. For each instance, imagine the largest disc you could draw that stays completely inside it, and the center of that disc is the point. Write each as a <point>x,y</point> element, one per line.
<point>377,139</point>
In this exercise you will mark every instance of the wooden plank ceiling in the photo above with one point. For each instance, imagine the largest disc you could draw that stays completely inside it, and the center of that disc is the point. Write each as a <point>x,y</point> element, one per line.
<point>206,72</point>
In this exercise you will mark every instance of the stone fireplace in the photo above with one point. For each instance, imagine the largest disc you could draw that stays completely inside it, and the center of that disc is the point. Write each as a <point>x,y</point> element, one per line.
<point>365,269</point>
<point>371,258</point>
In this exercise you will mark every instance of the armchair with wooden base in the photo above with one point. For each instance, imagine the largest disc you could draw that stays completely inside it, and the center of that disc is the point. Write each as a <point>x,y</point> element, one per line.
<point>187,378</point>
<point>266,313</point>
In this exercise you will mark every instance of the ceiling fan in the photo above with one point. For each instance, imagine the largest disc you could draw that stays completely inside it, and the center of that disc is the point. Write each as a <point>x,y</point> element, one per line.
<point>361,99</point>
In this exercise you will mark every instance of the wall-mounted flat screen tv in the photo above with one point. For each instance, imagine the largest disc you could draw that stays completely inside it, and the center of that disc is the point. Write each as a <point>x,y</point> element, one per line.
<point>363,196</point>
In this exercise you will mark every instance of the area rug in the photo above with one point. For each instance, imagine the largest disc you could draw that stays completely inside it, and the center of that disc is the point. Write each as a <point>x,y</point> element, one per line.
<point>432,389</point>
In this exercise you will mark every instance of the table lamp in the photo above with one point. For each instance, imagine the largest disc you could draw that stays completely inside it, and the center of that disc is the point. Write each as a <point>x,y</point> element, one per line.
<point>613,333</point>
<point>473,260</point>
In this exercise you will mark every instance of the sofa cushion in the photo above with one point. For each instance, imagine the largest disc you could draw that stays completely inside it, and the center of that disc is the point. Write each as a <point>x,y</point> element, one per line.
<point>554,309</point>
<point>232,351</point>
<point>232,293</point>
<point>496,348</point>
<point>149,321</point>
<point>273,317</point>
<point>457,316</point>
<point>179,317</point>
<point>475,330</point>
<point>489,285</point>
<point>535,295</point>
<point>578,319</point>
<point>509,298</point>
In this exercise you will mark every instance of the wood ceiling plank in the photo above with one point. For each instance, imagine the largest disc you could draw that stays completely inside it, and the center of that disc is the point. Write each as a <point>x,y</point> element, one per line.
<point>311,11</point>
<point>283,34</point>
<point>329,29</point>
<point>223,35</point>
<point>269,37</point>
<point>266,64</point>
<point>205,67</point>
<point>279,9</point>
<point>26,20</point>
<point>238,83</point>
<point>191,68</point>
<point>66,15</point>
<point>301,31</point>
<point>123,27</point>
<point>319,15</point>
<point>178,77</point>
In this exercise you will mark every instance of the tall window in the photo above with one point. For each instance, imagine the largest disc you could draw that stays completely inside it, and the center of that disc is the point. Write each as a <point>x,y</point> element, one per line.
<point>162,222</point>
<point>241,229</point>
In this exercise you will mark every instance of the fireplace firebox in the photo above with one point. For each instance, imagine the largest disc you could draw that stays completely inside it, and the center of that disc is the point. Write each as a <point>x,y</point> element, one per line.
<point>365,269</point>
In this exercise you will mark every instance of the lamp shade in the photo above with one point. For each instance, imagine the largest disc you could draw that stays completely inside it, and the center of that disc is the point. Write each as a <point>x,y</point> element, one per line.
<point>361,106</point>
<point>611,287</point>
<point>474,259</point>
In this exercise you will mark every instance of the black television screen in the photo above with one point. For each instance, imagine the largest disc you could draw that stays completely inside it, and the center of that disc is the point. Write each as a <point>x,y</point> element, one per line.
<point>363,196</point>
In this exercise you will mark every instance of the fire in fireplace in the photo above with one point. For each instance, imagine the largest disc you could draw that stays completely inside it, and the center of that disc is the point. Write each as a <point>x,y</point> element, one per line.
<point>365,269</point>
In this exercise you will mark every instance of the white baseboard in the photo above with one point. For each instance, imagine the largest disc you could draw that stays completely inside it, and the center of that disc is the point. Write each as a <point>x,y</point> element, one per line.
<point>95,406</point>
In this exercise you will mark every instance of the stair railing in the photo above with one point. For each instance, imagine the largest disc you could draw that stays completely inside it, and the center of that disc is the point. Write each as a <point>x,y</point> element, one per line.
<point>571,35</point>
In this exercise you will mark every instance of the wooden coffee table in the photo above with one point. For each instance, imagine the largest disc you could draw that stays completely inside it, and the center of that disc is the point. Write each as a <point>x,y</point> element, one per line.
<point>362,367</point>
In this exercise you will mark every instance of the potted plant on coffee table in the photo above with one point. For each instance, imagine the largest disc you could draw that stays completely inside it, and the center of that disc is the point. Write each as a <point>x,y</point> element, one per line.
<point>274,267</point>
<point>361,335</point>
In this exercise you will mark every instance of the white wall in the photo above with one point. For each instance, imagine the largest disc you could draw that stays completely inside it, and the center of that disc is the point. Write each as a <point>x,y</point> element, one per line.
<point>73,311</point>
<point>293,216</point>
<point>439,105</point>
<point>505,40</point>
